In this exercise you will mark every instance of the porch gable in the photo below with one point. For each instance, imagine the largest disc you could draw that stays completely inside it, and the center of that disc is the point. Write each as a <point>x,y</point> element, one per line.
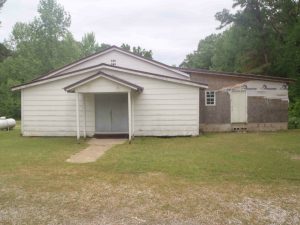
<point>102,83</point>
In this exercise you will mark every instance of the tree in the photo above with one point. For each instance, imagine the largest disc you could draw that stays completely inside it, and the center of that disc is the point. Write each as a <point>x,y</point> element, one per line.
<point>89,44</point>
<point>142,52</point>
<point>261,37</point>
<point>44,40</point>
<point>126,47</point>
<point>138,50</point>
<point>1,5</point>
<point>202,57</point>
<point>255,35</point>
<point>252,17</point>
<point>39,46</point>
<point>4,52</point>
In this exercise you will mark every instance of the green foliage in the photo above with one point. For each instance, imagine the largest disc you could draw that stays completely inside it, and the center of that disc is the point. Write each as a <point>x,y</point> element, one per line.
<point>142,52</point>
<point>294,123</point>
<point>138,50</point>
<point>262,37</point>
<point>1,4</point>
<point>213,179</point>
<point>294,115</point>
<point>89,44</point>
<point>202,57</point>
<point>4,52</point>
<point>40,46</point>
<point>233,157</point>
<point>227,54</point>
<point>213,157</point>
<point>126,47</point>
<point>53,22</point>
<point>295,108</point>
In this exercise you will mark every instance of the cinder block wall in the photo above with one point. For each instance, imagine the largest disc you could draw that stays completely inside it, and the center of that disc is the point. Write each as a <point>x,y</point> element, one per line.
<point>263,114</point>
<point>262,110</point>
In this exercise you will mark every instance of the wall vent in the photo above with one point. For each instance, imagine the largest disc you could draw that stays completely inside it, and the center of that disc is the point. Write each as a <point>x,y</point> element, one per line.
<point>113,62</point>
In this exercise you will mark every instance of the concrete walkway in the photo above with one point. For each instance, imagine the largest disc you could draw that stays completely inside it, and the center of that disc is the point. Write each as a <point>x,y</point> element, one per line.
<point>96,148</point>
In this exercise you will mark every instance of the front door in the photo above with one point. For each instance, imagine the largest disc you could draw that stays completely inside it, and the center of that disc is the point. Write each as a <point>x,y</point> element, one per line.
<point>111,113</point>
<point>238,101</point>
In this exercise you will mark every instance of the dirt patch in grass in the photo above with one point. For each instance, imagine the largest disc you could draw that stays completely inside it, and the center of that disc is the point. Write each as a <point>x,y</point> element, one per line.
<point>212,179</point>
<point>267,210</point>
<point>295,157</point>
<point>151,199</point>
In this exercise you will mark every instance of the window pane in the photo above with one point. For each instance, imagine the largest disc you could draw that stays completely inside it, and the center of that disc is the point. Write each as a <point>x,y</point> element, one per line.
<point>210,97</point>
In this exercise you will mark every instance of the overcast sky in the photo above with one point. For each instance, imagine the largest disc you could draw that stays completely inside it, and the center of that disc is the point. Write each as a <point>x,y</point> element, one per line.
<point>171,28</point>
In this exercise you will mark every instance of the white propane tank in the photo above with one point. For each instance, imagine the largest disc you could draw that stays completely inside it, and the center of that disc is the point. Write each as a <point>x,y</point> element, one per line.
<point>7,123</point>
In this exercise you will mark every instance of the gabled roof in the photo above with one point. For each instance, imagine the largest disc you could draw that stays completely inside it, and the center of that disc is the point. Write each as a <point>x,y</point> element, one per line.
<point>71,87</point>
<point>84,59</point>
<point>241,75</point>
<point>106,66</point>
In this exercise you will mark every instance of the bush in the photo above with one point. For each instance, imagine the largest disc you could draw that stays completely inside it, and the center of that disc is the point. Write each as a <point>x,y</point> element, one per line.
<point>294,110</point>
<point>294,123</point>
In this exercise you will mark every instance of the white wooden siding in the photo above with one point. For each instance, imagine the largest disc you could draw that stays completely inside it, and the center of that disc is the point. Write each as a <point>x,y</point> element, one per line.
<point>47,110</point>
<point>124,60</point>
<point>103,85</point>
<point>162,109</point>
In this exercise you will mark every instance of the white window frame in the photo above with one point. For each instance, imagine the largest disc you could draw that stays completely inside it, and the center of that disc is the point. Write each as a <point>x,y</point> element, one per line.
<point>214,98</point>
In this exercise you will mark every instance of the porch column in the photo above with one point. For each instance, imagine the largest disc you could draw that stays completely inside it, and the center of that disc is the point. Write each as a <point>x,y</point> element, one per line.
<point>132,115</point>
<point>129,115</point>
<point>84,115</point>
<point>77,116</point>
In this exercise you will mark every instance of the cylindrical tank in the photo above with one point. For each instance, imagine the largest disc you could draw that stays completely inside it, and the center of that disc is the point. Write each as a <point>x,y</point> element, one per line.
<point>7,123</point>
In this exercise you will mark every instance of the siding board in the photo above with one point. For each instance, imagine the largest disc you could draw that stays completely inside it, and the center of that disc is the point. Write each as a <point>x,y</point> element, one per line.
<point>165,112</point>
<point>162,109</point>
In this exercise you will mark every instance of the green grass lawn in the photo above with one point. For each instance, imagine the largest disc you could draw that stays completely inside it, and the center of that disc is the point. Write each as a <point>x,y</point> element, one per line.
<point>214,178</point>
<point>238,157</point>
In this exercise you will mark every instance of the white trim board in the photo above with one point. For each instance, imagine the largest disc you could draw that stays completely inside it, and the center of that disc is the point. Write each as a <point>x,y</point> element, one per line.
<point>97,76</point>
<point>166,78</point>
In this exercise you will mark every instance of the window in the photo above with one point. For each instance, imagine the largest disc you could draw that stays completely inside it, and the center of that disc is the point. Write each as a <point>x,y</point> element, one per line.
<point>113,62</point>
<point>210,98</point>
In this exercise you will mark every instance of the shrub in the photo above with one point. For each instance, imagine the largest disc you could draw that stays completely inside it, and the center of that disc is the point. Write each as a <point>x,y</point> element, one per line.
<point>294,123</point>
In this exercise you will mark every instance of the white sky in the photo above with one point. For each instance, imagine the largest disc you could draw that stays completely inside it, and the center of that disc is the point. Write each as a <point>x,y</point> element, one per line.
<point>170,28</point>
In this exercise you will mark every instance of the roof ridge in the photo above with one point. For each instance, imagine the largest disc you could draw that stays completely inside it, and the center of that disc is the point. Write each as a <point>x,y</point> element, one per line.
<point>102,51</point>
<point>69,64</point>
<point>103,64</point>
<point>110,66</point>
<point>199,70</point>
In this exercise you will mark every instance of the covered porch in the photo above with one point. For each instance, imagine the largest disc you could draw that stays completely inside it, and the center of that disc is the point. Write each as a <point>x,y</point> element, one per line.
<point>105,102</point>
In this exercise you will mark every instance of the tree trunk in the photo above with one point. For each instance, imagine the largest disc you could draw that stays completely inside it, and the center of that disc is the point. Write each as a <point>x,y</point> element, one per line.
<point>257,12</point>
